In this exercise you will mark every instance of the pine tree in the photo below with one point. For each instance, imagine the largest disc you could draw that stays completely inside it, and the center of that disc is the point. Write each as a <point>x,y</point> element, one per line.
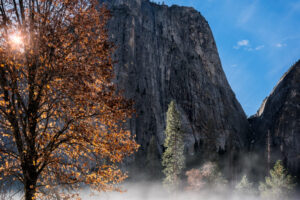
<point>278,185</point>
<point>173,158</point>
<point>244,186</point>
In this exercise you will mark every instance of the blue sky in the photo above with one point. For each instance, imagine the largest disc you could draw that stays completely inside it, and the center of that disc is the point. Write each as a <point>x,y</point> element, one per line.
<point>258,41</point>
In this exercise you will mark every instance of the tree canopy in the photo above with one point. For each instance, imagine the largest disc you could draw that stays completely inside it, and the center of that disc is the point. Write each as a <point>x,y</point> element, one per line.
<point>61,119</point>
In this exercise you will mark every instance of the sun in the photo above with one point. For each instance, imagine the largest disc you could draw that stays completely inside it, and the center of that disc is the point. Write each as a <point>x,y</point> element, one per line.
<point>16,39</point>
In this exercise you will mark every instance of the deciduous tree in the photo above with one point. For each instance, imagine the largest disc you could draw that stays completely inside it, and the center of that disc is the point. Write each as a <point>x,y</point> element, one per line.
<point>208,177</point>
<point>61,119</point>
<point>194,180</point>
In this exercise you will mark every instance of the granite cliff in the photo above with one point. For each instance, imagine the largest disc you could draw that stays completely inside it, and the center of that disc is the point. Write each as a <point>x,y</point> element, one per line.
<point>169,53</point>
<point>276,126</point>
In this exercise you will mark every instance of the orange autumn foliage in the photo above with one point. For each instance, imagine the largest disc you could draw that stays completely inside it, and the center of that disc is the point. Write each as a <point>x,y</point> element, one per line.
<point>61,118</point>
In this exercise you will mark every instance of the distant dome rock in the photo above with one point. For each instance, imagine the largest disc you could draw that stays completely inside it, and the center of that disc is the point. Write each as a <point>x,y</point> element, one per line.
<point>277,123</point>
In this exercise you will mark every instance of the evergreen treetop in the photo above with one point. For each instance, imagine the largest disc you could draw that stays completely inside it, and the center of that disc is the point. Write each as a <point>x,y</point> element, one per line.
<point>278,185</point>
<point>244,186</point>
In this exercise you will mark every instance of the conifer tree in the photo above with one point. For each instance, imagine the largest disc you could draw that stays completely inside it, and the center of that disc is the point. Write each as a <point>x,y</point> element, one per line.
<point>278,185</point>
<point>244,186</point>
<point>173,158</point>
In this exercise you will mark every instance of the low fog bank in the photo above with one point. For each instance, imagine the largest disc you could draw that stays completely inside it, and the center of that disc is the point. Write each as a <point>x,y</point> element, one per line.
<point>156,191</point>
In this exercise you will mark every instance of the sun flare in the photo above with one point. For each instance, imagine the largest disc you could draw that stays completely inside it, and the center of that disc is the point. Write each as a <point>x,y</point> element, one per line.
<point>16,39</point>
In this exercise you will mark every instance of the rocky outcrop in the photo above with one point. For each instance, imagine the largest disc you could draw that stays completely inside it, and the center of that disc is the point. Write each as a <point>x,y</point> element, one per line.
<point>169,53</point>
<point>276,125</point>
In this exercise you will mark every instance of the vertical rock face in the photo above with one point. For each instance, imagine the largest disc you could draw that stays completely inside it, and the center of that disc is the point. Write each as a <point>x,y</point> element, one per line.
<point>169,53</point>
<point>279,116</point>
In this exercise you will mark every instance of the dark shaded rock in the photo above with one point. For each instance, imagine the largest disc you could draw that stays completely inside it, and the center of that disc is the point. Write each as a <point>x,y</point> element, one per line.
<point>167,53</point>
<point>279,115</point>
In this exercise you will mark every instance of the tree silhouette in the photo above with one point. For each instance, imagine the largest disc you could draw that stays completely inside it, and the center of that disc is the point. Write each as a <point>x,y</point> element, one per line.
<point>61,119</point>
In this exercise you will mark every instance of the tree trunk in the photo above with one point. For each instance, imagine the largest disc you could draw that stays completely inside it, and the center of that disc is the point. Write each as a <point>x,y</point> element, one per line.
<point>30,189</point>
<point>30,181</point>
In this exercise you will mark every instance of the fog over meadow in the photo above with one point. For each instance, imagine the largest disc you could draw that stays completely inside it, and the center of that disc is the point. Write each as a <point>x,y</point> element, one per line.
<point>156,191</point>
